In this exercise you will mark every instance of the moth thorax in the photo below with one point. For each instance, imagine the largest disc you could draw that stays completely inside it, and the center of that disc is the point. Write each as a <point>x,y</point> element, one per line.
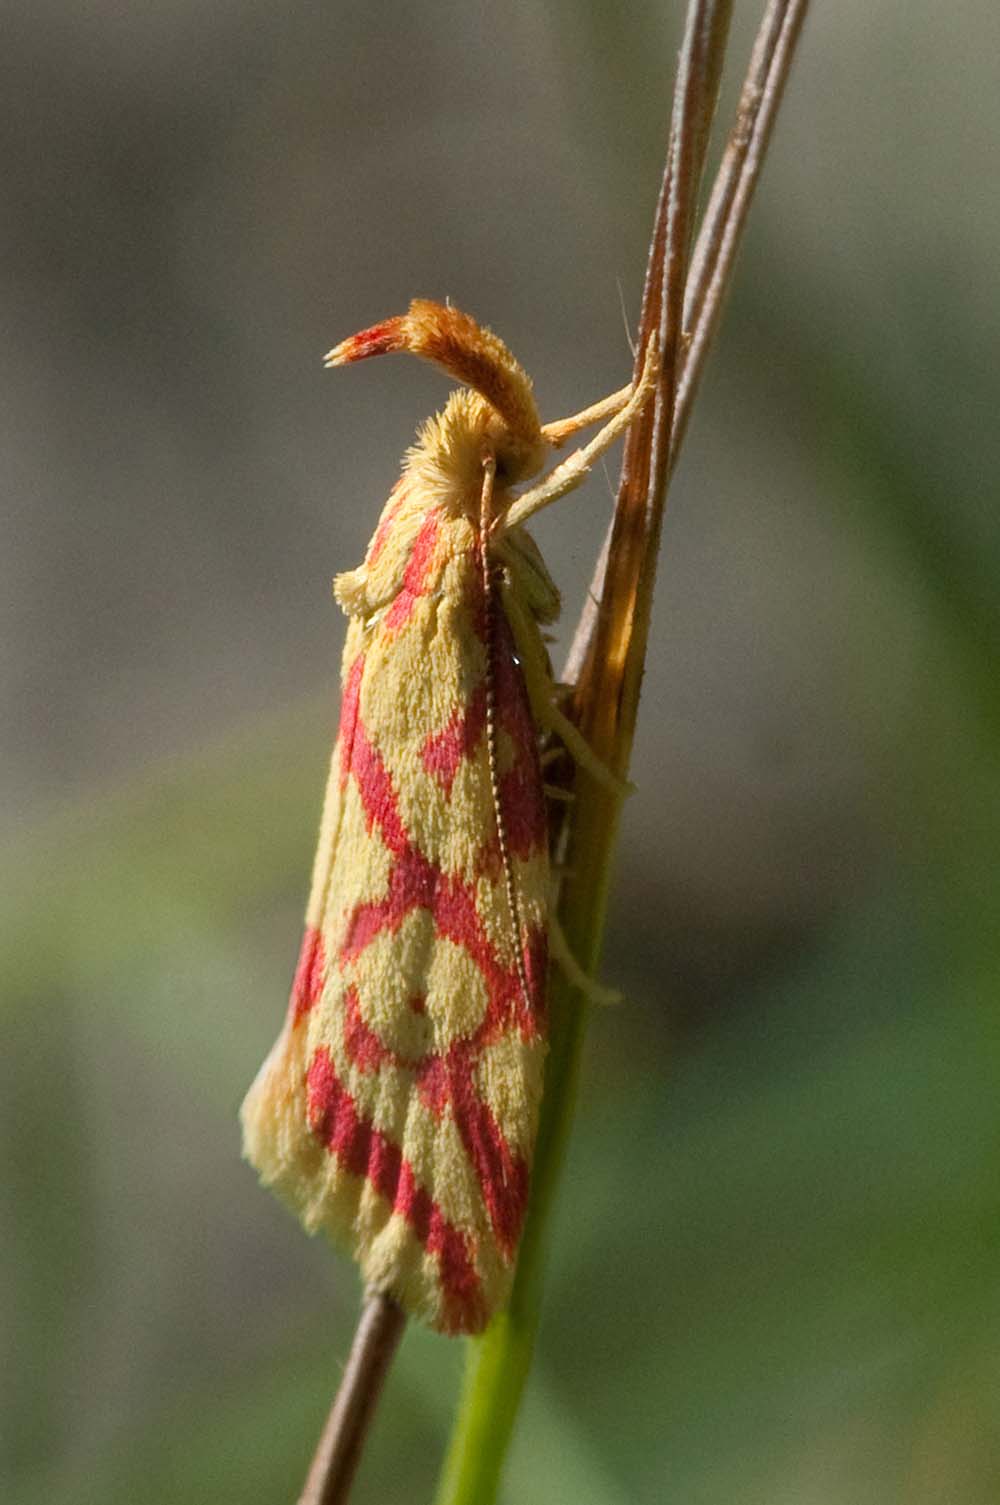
<point>453,445</point>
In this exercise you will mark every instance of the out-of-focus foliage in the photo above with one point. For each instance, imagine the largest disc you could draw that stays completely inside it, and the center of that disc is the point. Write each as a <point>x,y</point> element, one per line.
<point>777,1271</point>
<point>776,1274</point>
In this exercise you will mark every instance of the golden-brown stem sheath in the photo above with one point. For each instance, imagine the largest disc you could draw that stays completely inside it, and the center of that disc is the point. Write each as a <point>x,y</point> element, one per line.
<point>607,692</point>
<point>712,259</point>
<point>722,226</point>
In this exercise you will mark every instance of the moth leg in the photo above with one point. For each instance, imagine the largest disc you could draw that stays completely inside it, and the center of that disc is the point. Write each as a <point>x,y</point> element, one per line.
<point>593,991</point>
<point>540,686</point>
<point>552,719</point>
<point>599,412</point>
<point>574,470</point>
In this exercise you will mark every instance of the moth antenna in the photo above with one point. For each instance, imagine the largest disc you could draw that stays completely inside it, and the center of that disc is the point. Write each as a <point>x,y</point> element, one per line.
<point>454,341</point>
<point>485,520</point>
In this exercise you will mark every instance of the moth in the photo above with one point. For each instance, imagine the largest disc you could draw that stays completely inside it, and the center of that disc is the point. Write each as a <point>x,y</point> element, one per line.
<point>397,1110</point>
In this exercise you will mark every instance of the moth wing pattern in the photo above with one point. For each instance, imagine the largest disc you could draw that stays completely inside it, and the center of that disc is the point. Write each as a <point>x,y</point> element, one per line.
<point>397,1110</point>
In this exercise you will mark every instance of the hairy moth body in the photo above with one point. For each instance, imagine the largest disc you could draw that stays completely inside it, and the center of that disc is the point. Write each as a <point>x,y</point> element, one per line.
<point>398,1107</point>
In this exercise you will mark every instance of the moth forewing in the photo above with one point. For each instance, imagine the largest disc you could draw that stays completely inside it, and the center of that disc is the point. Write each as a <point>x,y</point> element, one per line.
<point>397,1110</point>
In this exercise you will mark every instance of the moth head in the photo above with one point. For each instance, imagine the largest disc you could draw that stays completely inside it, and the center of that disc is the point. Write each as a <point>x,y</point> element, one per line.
<point>504,419</point>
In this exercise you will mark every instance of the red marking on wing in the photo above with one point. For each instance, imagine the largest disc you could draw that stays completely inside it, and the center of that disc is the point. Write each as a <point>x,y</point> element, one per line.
<point>363,1150</point>
<point>536,969</point>
<point>349,710</point>
<point>310,974</point>
<point>416,883</point>
<point>523,809</point>
<point>502,1175</point>
<point>522,799</point>
<point>362,1044</point>
<point>445,1079</point>
<point>457,919</point>
<point>443,751</point>
<point>384,528</point>
<point>412,884</point>
<point>416,574</point>
<point>360,758</point>
<point>434,1084</point>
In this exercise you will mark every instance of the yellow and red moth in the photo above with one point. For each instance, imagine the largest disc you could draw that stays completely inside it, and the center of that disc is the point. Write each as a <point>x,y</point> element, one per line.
<point>397,1109</point>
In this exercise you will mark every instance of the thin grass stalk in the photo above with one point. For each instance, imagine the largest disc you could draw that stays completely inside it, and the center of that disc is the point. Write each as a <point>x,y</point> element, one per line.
<point>499,1361</point>
<point>722,227</point>
<point>712,259</point>
<point>335,1462</point>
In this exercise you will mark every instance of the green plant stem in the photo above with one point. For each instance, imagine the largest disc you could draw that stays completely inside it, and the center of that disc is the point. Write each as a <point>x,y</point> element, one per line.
<point>607,658</point>
<point>497,1364</point>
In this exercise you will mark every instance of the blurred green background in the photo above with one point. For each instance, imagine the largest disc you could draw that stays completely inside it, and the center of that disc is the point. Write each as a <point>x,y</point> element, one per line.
<point>776,1278</point>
